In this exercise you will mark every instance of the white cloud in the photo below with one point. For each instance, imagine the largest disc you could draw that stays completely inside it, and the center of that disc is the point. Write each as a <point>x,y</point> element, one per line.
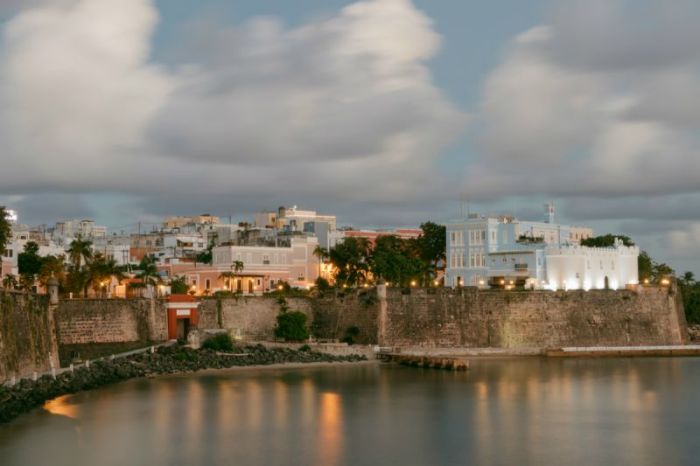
<point>341,107</point>
<point>594,103</point>
<point>77,91</point>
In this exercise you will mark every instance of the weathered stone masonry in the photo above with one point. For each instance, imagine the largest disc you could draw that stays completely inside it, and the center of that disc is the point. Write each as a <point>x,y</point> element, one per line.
<point>32,331</point>
<point>27,342</point>
<point>532,319</point>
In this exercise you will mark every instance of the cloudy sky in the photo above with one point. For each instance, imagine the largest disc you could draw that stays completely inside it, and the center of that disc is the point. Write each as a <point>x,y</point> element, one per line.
<point>385,112</point>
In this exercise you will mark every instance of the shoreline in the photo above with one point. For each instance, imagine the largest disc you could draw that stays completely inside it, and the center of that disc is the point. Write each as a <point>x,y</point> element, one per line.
<point>264,367</point>
<point>28,394</point>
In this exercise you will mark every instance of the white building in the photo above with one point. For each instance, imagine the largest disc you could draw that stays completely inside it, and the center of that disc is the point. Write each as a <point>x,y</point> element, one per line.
<point>501,250</point>
<point>295,220</point>
<point>64,232</point>
<point>580,267</point>
<point>505,250</point>
<point>115,247</point>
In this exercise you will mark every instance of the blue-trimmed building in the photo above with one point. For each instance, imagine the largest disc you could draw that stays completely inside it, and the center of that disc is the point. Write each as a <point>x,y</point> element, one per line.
<point>504,250</point>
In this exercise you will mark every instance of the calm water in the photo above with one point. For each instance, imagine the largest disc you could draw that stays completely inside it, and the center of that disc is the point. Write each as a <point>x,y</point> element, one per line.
<point>520,412</point>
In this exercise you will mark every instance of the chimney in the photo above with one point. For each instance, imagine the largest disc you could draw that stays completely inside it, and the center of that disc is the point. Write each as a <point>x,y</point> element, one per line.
<point>549,212</point>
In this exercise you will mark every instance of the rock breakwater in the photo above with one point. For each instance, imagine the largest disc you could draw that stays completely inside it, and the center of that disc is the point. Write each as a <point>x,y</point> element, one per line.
<point>28,394</point>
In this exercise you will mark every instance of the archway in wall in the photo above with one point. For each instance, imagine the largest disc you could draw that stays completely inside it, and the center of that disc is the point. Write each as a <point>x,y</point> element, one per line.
<point>607,283</point>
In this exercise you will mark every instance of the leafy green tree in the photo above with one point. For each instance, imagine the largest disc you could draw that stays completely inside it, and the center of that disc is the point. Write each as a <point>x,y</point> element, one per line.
<point>645,266</point>
<point>661,270</point>
<point>52,266</point>
<point>178,285</point>
<point>606,241</point>
<point>5,231</point>
<point>432,243</point>
<point>207,256</point>
<point>351,260</point>
<point>690,291</point>
<point>396,260</point>
<point>29,261</point>
<point>291,326</point>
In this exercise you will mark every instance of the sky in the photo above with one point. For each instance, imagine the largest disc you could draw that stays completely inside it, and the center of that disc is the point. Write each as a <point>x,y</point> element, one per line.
<point>384,112</point>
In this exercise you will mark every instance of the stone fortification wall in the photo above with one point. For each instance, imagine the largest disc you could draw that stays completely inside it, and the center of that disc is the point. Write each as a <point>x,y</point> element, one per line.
<point>27,343</point>
<point>31,329</point>
<point>247,317</point>
<point>89,328</point>
<point>334,315</point>
<point>532,319</point>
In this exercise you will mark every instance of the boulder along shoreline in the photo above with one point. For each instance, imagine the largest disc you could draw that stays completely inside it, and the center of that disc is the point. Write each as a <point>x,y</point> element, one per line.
<point>28,394</point>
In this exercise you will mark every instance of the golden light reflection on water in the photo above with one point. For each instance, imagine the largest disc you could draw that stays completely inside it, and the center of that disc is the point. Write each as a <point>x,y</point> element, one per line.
<point>253,405</point>
<point>511,413</point>
<point>227,404</point>
<point>308,408</point>
<point>330,435</point>
<point>61,407</point>
<point>281,403</point>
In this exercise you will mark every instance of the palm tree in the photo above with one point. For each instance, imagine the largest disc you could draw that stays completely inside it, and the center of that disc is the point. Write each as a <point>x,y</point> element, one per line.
<point>52,266</point>
<point>228,279</point>
<point>100,272</point>
<point>5,231</point>
<point>149,272</point>
<point>688,279</point>
<point>237,266</point>
<point>10,282</point>
<point>322,254</point>
<point>80,251</point>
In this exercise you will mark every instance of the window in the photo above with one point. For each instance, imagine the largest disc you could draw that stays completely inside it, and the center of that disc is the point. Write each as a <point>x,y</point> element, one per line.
<point>265,259</point>
<point>493,235</point>
<point>612,265</point>
<point>483,235</point>
<point>601,265</point>
<point>207,284</point>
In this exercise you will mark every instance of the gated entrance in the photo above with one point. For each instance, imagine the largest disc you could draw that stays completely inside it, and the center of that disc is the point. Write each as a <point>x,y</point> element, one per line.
<point>183,316</point>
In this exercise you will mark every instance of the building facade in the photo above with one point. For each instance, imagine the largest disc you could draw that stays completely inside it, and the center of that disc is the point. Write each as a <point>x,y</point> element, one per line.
<point>264,268</point>
<point>483,251</point>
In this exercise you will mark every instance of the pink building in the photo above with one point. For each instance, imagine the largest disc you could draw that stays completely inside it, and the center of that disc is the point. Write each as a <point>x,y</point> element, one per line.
<point>263,268</point>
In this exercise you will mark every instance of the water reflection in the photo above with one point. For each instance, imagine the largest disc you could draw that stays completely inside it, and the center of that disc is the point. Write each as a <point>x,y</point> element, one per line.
<point>62,407</point>
<point>529,412</point>
<point>329,437</point>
